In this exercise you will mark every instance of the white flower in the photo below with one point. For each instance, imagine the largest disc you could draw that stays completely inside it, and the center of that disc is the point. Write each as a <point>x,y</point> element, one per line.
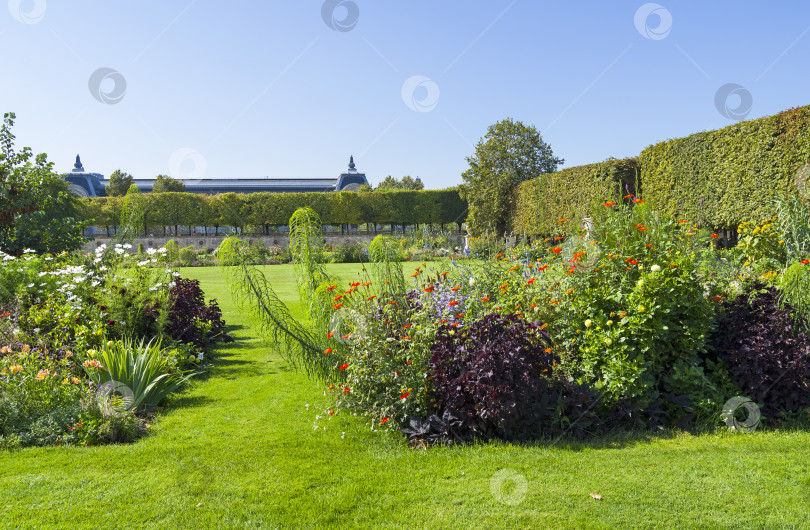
<point>143,263</point>
<point>608,342</point>
<point>119,250</point>
<point>588,323</point>
<point>95,283</point>
<point>150,251</point>
<point>30,285</point>
<point>29,251</point>
<point>176,274</point>
<point>472,280</point>
<point>655,268</point>
<point>171,284</point>
<point>48,258</point>
<point>127,246</point>
<point>41,274</point>
<point>97,260</point>
<point>102,268</point>
<point>163,250</point>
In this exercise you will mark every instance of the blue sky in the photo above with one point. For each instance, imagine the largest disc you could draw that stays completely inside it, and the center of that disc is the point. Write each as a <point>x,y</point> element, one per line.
<point>252,89</point>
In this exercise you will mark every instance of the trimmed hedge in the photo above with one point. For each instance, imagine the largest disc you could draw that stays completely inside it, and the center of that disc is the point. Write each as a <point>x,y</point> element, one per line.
<point>275,209</point>
<point>729,175</point>
<point>539,204</point>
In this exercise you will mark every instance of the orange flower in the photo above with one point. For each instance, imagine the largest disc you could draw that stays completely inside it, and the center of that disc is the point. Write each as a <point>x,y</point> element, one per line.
<point>385,420</point>
<point>643,228</point>
<point>445,273</point>
<point>327,351</point>
<point>414,275</point>
<point>366,284</point>
<point>562,220</point>
<point>484,299</point>
<point>629,196</point>
<point>554,302</point>
<point>548,350</point>
<point>505,286</point>
<point>556,250</point>
<point>531,280</point>
<point>371,297</point>
<point>558,238</point>
<point>346,336</point>
<point>330,335</point>
<point>499,255</point>
<point>406,338</point>
<point>330,287</point>
<point>344,366</point>
<point>622,315</point>
<point>454,289</point>
<point>430,289</point>
<point>392,303</point>
<point>805,261</point>
<point>544,326</point>
<point>609,204</point>
<point>649,246</point>
<point>532,307</point>
<point>715,236</point>
<point>346,389</point>
<point>454,302</point>
<point>569,291</point>
<point>544,267</point>
<point>631,261</point>
<point>338,297</point>
<point>516,267</point>
<point>637,201</point>
<point>682,221</point>
<point>461,315</point>
<point>337,306</point>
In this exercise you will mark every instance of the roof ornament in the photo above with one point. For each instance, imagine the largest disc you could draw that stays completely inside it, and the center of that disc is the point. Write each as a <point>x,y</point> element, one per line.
<point>351,161</point>
<point>78,165</point>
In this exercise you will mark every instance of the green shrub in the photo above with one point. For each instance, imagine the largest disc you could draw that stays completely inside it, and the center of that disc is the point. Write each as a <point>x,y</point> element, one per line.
<point>730,175</point>
<point>173,250</point>
<point>187,255</point>
<point>571,193</point>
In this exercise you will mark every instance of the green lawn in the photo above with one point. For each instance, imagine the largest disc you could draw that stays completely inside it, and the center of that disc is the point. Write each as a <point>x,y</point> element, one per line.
<point>238,449</point>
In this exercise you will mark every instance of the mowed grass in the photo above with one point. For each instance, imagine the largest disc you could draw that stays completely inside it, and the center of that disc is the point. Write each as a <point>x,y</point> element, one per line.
<point>238,449</point>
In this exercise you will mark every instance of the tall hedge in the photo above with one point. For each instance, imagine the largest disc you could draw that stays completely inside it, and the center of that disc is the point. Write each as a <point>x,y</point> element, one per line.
<point>274,209</point>
<point>730,175</point>
<point>540,203</point>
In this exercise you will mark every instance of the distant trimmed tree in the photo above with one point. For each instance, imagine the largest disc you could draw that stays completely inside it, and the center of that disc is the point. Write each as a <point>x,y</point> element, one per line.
<point>165,183</point>
<point>120,182</point>
<point>407,183</point>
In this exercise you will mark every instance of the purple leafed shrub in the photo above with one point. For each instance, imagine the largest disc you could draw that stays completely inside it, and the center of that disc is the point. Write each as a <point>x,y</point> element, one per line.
<point>495,377</point>
<point>766,356</point>
<point>188,315</point>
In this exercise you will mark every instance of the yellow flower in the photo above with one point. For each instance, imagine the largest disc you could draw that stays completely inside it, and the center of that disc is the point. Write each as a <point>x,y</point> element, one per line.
<point>16,368</point>
<point>42,374</point>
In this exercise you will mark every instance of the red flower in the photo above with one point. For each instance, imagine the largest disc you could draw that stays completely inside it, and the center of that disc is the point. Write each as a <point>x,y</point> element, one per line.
<point>460,315</point>
<point>715,236</point>
<point>403,396</point>
<point>454,302</point>
<point>544,267</point>
<point>7,313</point>
<point>385,420</point>
<point>562,220</point>
<point>531,280</point>
<point>649,246</point>
<point>682,221</point>
<point>445,273</point>
<point>499,255</point>
<point>558,238</point>
<point>327,351</point>
<point>408,362</point>
<point>629,196</point>
<point>406,338</point>
<point>454,289</point>
<point>406,326</point>
<point>330,287</point>
<point>346,389</point>
<point>346,336</point>
<point>111,323</point>
<point>392,303</point>
<point>338,297</point>
<point>717,298</point>
<point>430,289</point>
<point>366,284</point>
<point>805,261</point>
<point>337,306</point>
<point>372,297</point>
<point>637,201</point>
<point>344,366</point>
<point>556,250</point>
<point>631,261</point>
<point>609,204</point>
<point>484,299</point>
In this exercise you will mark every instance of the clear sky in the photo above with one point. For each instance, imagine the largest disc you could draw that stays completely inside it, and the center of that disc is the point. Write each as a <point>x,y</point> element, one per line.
<point>242,89</point>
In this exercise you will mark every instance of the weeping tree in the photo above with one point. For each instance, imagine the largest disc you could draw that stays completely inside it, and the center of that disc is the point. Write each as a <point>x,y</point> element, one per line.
<point>385,255</point>
<point>307,251</point>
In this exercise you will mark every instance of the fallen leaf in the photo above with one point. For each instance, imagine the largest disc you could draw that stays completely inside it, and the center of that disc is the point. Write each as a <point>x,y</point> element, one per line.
<point>597,497</point>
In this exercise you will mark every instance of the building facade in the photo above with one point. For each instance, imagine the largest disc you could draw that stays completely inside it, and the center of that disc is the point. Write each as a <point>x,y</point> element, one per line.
<point>85,184</point>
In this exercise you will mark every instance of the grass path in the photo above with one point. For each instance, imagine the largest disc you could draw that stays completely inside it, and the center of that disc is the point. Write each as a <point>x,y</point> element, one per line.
<point>238,449</point>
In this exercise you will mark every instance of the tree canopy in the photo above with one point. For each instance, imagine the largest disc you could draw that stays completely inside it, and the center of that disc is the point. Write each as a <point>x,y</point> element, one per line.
<point>508,154</point>
<point>37,211</point>
<point>120,182</point>
<point>407,183</point>
<point>165,183</point>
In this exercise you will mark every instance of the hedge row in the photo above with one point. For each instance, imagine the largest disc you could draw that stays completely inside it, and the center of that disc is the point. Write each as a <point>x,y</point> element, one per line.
<point>274,209</point>
<point>719,178</point>
<point>730,175</point>
<point>539,204</point>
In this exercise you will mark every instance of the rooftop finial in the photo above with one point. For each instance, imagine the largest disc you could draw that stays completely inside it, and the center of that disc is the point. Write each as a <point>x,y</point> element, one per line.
<point>78,165</point>
<point>351,161</point>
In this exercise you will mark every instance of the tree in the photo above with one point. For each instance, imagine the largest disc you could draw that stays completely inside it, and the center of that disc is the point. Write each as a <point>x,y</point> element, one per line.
<point>407,183</point>
<point>37,210</point>
<point>164,183</point>
<point>119,184</point>
<point>508,154</point>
